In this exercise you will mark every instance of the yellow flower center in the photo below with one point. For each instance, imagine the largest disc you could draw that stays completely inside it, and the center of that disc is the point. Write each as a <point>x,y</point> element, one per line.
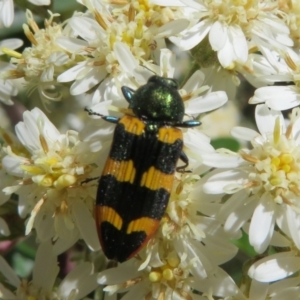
<point>277,165</point>
<point>168,271</point>
<point>131,25</point>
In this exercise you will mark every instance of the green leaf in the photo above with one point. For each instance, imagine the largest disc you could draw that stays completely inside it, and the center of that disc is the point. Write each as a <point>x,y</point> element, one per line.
<point>244,246</point>
<point>226,142</point>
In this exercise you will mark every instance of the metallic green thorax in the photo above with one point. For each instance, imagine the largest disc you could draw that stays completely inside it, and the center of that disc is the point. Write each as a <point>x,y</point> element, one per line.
<point>158,100</point>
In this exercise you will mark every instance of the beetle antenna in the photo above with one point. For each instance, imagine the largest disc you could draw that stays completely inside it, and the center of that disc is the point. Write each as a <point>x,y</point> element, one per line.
<point>92,113</point>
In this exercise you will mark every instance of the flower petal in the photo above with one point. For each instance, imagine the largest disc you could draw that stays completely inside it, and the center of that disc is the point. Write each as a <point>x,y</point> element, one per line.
<point>274,267</point>
<point>80,278</point>
<point>125,57</point>
<point>86,224</point>
<point>218,36</point>
<point>217,182</point>
<point>266,118</point>
<point>239,43</point>
<point>7,12</point>
<point>277,97</point>
<point>172,28</point>
<point>262,224</point>
<point>8,273</point>
<point>45,268</point>
<point>88,81</point>
<point>211,101</point>
<point>244,133</point>
<point>193,37</point>
<point>72,73</point>
<point>221,160</point>
<point>11,44</point>
<point>240,215</point>
<point>293,220</point>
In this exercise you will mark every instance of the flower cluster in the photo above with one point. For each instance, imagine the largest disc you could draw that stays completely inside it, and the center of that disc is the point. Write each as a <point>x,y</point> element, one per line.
<point>237,190</point>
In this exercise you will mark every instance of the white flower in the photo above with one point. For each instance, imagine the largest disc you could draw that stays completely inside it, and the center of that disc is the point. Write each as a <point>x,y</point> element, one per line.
<point>90,73</point>
<point>43,61</point>
<point>49,168</point>
<point>263,181</point>
<point>229,24</point>
<point>113,60</point>
<point>282,67</point>
<point>77,284</point>
<point>113,41</point>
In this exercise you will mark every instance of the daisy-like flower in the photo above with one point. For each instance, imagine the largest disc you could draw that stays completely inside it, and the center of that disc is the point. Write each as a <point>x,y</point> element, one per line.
<point>40,64</point>
<point>263,181</point>
<point>283,66</point>
<point>108,35</point>
<point>7,87</point>
<point>188,246</point>
<point>76,285</point>
<point>48,170</point>
<point>229,24</point>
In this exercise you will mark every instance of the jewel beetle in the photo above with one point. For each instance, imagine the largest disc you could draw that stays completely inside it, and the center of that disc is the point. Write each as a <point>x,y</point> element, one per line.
<point>137,179</point>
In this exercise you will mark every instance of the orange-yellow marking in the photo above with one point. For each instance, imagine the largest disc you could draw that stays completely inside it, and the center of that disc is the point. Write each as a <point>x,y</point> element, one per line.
<point>154,179</point>
<point>169,135</point>
<point>124,171</point>
<point>108,214</point>
<point>146,224</point>
<point>133,125</point>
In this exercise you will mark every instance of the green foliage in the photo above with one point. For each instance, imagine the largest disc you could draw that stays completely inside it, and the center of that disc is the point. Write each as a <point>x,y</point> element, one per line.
<point>226,142</point>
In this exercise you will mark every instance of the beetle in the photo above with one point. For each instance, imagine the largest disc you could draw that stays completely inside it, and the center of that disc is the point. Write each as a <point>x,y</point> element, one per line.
<point>137,179</point>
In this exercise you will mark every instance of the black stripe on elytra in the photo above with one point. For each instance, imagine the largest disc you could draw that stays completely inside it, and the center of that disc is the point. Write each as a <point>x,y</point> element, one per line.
<point>118,245</point>
<point>131,201</point>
